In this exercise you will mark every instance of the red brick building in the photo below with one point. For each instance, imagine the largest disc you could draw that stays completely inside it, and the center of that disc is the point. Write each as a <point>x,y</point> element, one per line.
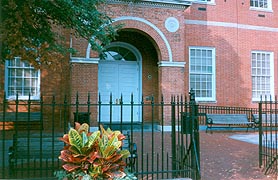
<point>225,50</point>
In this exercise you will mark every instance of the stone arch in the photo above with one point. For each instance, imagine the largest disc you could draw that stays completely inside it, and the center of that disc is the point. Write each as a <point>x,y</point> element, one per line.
<point>150,29</point>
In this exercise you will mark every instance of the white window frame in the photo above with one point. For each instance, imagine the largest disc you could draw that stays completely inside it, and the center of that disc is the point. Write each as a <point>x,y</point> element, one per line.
<point>271,75</point>
<point>269,6</point>
<point>213,74</point>
<point>21,96</point>
<point>204,1</point>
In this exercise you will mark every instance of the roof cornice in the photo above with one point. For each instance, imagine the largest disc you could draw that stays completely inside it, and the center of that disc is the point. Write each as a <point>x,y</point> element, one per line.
<point>175,4</point>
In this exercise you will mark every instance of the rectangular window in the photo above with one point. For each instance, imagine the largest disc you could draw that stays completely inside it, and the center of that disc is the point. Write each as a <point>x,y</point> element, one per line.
<point>202,72</point>
<point>21,79</point>
<point>262,74</point>
<point>261,4</point>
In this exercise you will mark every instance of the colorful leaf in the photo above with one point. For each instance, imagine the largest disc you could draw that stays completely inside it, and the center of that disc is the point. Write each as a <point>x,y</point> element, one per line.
<point>75,138</point>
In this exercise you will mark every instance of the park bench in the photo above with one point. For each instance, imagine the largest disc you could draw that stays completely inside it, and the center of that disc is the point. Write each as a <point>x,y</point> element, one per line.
<point>30,151</point>
<point>228,120</point>
<point>267,119</point>
<point>23,120</point>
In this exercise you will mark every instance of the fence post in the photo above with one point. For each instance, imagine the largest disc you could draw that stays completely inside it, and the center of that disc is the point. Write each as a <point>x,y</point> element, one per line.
<point>195,152</point>
<point>173,124</point>
<point>260,134</point>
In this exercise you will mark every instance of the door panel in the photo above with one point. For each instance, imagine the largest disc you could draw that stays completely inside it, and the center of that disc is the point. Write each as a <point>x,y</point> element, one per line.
<point>119,78</point>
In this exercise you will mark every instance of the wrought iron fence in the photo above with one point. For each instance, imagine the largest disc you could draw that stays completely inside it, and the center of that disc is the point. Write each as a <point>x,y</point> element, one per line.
<point>30,131</point>
<point>267,118</point>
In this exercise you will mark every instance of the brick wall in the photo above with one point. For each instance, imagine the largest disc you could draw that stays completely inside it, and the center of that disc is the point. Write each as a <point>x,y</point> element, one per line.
<point>233,43</point>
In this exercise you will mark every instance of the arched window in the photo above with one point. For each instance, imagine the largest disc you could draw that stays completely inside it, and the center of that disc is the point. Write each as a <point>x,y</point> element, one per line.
<point>118,53</point>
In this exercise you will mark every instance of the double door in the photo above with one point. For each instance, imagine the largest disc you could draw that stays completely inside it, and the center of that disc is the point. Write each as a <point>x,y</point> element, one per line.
<point>119,80</point>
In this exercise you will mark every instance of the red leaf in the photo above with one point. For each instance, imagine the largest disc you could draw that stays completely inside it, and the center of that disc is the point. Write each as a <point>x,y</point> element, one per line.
<point>70,167</point>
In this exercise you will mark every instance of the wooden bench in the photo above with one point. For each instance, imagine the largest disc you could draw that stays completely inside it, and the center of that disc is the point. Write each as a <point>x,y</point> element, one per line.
<point>267,119</point>
<point>228,120</point>
<point>33,150</point>
<point>23,120</point>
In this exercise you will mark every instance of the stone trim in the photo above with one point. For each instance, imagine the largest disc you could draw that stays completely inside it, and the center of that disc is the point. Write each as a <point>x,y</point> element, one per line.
<point>174,4</point>
<point>150,24</point>
<point>84,60</point>
<point>171,64</point>
<point>230,25</point>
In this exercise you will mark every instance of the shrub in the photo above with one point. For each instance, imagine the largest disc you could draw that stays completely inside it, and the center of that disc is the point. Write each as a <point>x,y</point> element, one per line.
<point>96,155</point>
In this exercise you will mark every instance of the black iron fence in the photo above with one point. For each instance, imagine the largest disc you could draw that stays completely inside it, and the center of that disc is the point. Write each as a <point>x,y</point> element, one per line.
<point>267,118</point>
<point>166,134</point>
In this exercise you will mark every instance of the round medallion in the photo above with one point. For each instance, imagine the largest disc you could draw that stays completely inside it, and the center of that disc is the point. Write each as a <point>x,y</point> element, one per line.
<point>172,24</point>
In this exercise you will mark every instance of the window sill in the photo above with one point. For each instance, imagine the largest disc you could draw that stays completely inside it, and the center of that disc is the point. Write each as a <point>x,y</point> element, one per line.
<point>206,102</point>
<point>13,98</point>
<point>261,9</point>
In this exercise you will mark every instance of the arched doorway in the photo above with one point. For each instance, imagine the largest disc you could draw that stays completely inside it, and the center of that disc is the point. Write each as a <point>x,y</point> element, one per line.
<point>119,76</point>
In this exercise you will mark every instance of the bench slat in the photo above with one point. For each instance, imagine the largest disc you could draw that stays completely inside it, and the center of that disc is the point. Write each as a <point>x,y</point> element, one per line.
<point>235,120</point>
<point>267,119</point>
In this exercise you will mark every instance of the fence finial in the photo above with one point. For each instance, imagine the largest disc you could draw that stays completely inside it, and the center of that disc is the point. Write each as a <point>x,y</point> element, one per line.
<point>192,95</point>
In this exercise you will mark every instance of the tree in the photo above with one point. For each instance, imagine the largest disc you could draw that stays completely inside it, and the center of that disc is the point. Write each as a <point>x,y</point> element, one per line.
<point>34,29</point>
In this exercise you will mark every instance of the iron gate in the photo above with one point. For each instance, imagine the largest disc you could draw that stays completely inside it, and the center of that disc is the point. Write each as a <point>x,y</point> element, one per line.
<point>267,119</point>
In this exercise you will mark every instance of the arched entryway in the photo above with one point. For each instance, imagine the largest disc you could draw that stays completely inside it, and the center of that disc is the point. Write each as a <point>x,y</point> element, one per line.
<point>128,66</point>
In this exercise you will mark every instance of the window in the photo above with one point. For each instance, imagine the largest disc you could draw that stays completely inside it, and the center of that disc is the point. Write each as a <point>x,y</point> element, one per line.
<point>262,74</point>
<point>261,4</point>
<point>21,79</point>
<point>117,53</point>
<point>202,72</point>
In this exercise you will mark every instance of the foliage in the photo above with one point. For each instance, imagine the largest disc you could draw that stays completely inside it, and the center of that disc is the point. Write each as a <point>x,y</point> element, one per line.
<point>96,155</point>
<point>38,30</point>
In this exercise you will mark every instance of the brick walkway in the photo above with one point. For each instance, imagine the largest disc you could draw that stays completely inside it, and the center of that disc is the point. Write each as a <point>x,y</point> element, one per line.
<point>225,158</point>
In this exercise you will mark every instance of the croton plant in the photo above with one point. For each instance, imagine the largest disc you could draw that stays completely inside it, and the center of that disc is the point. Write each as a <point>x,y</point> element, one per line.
<point>96,155</point>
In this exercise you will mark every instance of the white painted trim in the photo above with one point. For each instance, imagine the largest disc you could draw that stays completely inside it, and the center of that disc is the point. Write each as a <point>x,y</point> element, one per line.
<point>271,73</point>
<point>21,97</point>
<point>204,2</point>
<point>84,60</point>
<point>230,25</point>
<point>213,97</point>
<point>160,33</point>
<point>171,64</point>
<point>184,2</point>
<point>168,128</point>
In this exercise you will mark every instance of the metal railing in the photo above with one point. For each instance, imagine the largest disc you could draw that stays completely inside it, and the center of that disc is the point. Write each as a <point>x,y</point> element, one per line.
<point>164,149</point>
<point>268,135</point>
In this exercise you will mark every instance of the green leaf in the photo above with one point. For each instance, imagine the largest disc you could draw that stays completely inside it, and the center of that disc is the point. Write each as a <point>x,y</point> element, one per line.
<point>75,139</point>
<point>92,138</point>
<point>84,139</point>
<point>125,153</point>
<point>109,151</point>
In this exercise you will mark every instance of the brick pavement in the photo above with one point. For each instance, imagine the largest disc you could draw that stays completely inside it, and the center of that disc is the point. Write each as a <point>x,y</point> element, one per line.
<point>225,158</point>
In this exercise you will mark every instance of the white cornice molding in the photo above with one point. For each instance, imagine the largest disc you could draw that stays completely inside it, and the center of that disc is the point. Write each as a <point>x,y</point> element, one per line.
<point>175,4</point>
<point>171,64</point>
<point>82,60</point>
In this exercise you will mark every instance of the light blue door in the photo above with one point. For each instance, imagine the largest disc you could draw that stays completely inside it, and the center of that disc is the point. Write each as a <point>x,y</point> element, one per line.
<point>119,78</point>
